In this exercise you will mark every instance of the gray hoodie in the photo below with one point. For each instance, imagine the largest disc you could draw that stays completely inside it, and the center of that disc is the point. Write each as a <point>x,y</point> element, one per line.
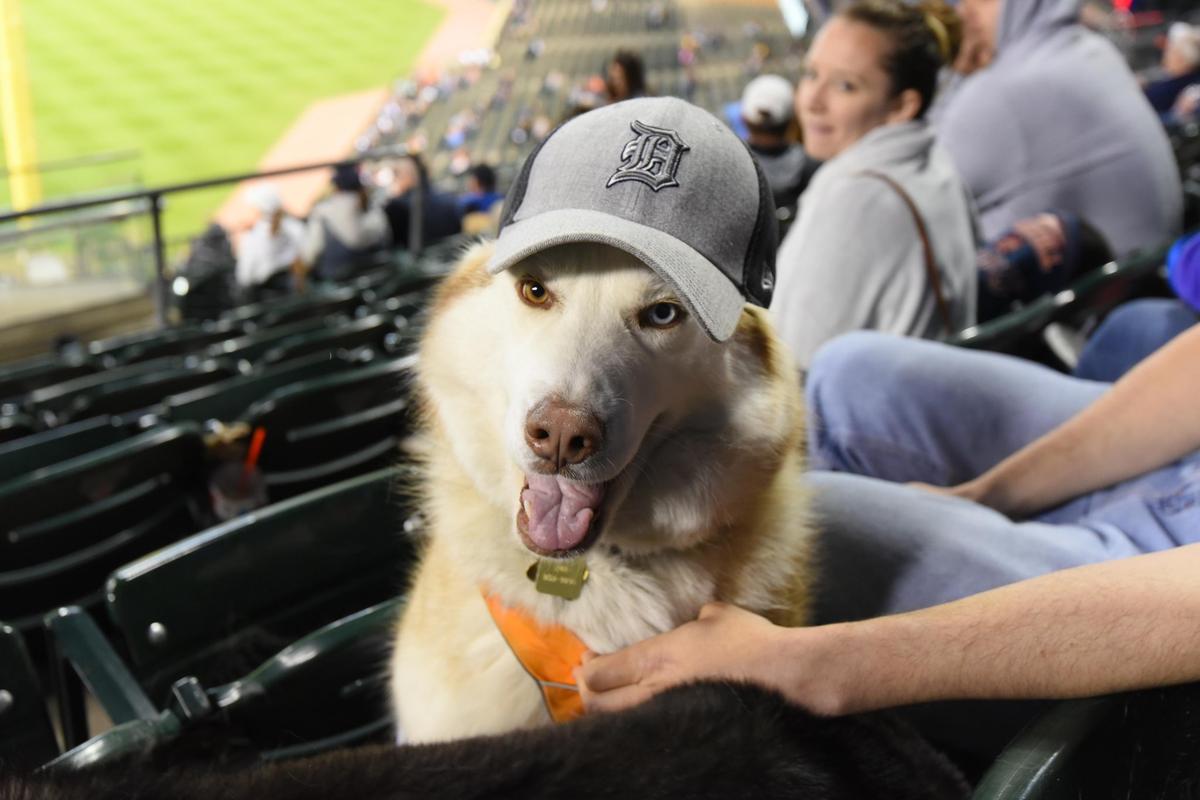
<point>854,260</point>
<point>1057,121</point>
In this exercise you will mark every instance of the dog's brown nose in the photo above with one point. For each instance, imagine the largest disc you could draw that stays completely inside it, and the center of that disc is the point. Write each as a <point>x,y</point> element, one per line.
<point>562,434</point>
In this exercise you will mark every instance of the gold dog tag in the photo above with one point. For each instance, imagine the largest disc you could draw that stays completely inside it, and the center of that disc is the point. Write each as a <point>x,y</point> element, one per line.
<point>563,579</point>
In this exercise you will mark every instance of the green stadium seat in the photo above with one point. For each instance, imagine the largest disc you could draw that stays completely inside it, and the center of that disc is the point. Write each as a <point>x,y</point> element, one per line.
<point>322,692</point>
<point>51,404</point>
<point>26,736</point>
<point>314,305</point>
<point>266,578</point>
<point>65,527</point>
<point>252,346</point>
<point>140,392</point>
<point>46,448</point>
<point>15,426</point>
<point>180,342</point>
<point>1137,745</point>
<point>331,428</point>
<point>1087,298</point>
<point>228,400</point>
<point>378,331</point>
<point>146,345</point>
<point>23,377</point>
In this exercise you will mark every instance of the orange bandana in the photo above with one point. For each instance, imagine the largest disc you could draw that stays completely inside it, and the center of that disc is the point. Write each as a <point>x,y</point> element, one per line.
<point>549,653</point>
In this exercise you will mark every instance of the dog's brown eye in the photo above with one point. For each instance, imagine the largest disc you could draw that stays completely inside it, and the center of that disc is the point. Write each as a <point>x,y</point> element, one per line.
<point>533,292</point>
<point>662,315</point>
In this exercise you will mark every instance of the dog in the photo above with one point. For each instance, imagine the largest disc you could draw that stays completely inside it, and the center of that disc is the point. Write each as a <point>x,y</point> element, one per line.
<point>683,486</point>
<point>613,436</point>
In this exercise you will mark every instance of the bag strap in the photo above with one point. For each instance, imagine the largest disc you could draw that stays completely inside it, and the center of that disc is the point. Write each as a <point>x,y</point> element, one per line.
<point>931,270</point>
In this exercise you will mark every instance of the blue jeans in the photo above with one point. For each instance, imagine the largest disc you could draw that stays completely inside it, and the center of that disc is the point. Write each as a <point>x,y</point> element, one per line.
<point>891,410</point>
<point>884,410</point>
<point>1131,332</point>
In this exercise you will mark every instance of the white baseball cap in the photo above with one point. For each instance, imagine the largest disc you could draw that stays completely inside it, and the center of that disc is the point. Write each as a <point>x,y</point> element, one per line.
<point>768,100</point>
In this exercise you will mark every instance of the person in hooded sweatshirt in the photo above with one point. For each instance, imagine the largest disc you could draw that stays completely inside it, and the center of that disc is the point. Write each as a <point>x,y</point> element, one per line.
<point>885,235</point>
<point>1057,122</point>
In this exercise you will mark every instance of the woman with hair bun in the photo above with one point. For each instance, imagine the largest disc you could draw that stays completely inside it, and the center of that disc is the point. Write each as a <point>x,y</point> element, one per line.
<point>885,237</point>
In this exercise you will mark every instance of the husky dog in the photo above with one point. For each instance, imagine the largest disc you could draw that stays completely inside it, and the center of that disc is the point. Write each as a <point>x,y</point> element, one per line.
<point>614,436</point>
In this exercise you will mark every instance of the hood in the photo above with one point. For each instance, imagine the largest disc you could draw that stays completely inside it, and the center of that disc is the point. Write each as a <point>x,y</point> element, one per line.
<point>1028,22</point>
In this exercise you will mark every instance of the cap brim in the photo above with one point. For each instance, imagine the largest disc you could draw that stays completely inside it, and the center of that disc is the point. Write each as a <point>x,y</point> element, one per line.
<point>704,289</point>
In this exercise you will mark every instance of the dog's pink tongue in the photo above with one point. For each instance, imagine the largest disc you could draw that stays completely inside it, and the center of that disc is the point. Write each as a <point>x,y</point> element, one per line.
<point>560,511</point>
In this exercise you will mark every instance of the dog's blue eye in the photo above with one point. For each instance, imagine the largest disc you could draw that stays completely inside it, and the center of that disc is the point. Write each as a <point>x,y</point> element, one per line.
<point>662,315</point>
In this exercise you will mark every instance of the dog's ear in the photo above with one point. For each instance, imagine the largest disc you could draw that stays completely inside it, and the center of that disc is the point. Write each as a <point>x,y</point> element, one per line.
<point>470,274</point>
<point>755,336</point>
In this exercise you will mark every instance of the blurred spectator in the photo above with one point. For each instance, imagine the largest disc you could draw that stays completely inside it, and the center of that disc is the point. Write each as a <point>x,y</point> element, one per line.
<point>766,111</point>
<point>1057,121</point>
<point>1187,107</point>
<point>1039,255</point>
<point>481,192</point>
<point>1180,67</point>
<point>205,285</point>
<point>656,15</point>
<point>413,195</point>
<point>269,262</point>
<point>625,77</point>
<point>345,230</point>
<point>885,238</point>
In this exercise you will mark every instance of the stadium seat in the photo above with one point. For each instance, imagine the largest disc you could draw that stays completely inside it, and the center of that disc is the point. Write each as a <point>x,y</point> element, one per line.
<point>252,346</point>
<point>14,427</point>
<point>50,447</point>
<point>147,345</point>
<point>53,403</point>
<point>228,400</point>
<point>26,737</point>
<point>66,526</point>
<point>331,428</point>
<point>311,306</point>
<point>1139,744</point>
<point>323,691</point>
<point>381,332</point>
<point>266,579</point>
<point>1081,304</point>
<point>23,377</point>
<point>143,391</point>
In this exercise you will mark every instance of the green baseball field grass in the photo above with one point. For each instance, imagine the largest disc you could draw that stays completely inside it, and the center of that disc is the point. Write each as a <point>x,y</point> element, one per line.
<point>198,87</point>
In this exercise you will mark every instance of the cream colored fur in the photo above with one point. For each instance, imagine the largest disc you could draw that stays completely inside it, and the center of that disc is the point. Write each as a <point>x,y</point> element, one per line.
<point>704,448</point>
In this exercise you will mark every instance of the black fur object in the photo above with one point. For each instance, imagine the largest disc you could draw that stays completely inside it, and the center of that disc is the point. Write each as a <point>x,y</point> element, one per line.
<point>704,741</point>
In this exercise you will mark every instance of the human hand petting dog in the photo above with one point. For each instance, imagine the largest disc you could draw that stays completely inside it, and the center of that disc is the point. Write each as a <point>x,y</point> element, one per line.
<point>724,642</point>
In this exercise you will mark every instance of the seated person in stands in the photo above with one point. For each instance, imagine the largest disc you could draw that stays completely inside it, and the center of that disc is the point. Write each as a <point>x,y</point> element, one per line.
<point>767,111</point>
<point>1180,67</point>
<point>1039,255</point>
<point>481,192</point>
<point>885,237</point>
<point>269,262</point>
<point>438,210</point>
<point>1057,121</point>
<point>345,230</point>
<point>1040,472</point>
<point>625,77</point>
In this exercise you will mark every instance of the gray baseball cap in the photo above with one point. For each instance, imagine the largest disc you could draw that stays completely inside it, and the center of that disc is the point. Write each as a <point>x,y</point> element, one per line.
<point>663,180</point>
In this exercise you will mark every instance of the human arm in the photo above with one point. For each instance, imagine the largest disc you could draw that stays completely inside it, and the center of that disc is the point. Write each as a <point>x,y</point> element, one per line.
<point>1147,420</point>
<point>1085,631</point>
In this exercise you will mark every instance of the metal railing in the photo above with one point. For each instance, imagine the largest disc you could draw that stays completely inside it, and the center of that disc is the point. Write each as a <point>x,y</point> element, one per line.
<point>153,198</point>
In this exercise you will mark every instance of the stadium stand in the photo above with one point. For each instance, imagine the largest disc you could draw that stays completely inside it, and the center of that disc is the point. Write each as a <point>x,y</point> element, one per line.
<point>105,454</point>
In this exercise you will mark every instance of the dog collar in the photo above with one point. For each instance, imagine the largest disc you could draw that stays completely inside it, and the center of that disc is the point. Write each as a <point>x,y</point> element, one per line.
<point>548,653</point>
